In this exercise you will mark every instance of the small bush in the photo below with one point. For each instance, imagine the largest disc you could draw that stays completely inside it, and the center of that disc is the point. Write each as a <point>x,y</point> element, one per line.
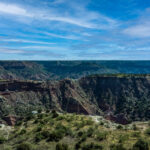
<point>134,127</point>
<point>90,132</point>
<point>55,136</point>
<point>60,118</point>
<point>36,121</point>
<point>92,146</point>
<point>24,146</point>
<point>101,136</point>
<point>40,116</point>
<point>80,133</point>
<point>119,127</point>
<point>23,131</point>
<point>77,145</point>
<point>2,140</point>
<point>39,111</point>
<point>39,137</point>
<point>117,147</point>
<point>39,128</point>
<point>83,139</point>
<point>140,145</point>
<point>148,123</point>
<point>45,134</point>
<point>47,111</point>
<point>89,122</point>
<point>63,130</point>
<point>19,123</point>
<point>29,117</point>
<point>54,114</point>
<point>101,123</point>
<point>147,131</point>
<point>61,147</point>
<point>136,134</point>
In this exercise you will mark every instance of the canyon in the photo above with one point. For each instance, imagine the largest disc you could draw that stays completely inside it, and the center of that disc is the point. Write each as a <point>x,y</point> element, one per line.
<point>119,98</point>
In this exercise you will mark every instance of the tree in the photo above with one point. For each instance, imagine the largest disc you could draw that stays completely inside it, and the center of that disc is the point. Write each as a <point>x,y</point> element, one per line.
<point>140,145</point>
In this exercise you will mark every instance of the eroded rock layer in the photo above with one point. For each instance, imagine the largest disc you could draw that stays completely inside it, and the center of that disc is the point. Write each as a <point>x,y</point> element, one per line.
<point>118,98</point>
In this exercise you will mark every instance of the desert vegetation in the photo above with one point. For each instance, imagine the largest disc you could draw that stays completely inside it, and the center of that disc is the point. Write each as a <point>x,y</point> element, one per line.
<point>57,131</point>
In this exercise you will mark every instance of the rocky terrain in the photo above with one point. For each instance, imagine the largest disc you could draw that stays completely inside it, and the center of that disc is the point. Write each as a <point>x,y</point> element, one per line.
<point>120,98</point>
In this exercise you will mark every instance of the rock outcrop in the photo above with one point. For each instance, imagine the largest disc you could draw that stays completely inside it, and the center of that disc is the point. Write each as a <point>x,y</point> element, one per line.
<point>118,98</point>
<point>10,120</point>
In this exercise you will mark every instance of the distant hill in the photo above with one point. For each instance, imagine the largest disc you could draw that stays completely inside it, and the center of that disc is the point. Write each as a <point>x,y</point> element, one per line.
<point>55,70</point>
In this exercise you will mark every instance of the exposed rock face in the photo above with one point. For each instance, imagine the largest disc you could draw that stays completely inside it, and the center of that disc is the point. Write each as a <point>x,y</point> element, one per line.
<point>10,120</point>
<point>118,118</point>
<point>119,99</point>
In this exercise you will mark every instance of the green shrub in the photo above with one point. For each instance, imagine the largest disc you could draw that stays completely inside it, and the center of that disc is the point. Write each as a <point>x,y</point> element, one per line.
<point>60,118</point>
<point>61,147</point>
<point>80,133</point>
<point>101,136</point>
<point>40,116</point>
<point>63,130</point>
<point>39,111</point>
<point>148,123</point>
<point>90,132</point>
<point>45,134</point>
<point>79,125</point>
<point>55,136</point>
<point>24,146</point>
<point>101,123</point>
<point>23,131</point>
<point>123,138</point>
<point>36,121</point>
<point>136,134</point>
<point>89,122</point>
<point>29,117</point>
<point>119,127</point>
<point>117,147</point>
<point>147,131</point>
<point>54,114</point>
<point>47,111</point>
<point>19,123</point>
<point>60,127</point>
<point>77,145</point>
<point>140,145</point>
<point>38,137</point>
<point>92,146</point>
<point>2,140</point>
<point>83,138</point>
<point>39,128</point>
<point>134,127</point>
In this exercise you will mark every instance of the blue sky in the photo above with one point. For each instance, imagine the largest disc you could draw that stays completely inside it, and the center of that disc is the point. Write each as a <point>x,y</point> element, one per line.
<point>74,30</point>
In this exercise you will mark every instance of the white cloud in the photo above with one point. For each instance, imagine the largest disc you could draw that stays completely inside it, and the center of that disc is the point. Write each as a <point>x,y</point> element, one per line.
<point>142,31</point>
<point>81,17</point>
<point>143,48</point>
<point>13,10</point>
<point>71,37</point>
<point>11,51</point>
<point>25,41</point>
<point>44,48</point>
<point>140,27</point>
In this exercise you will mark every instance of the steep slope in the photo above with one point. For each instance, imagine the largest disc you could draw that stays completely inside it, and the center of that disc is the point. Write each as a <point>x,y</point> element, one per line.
<point>119,98</point>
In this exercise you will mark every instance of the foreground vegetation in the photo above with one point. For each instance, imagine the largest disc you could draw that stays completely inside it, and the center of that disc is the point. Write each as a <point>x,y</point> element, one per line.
<point>53,131</point>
